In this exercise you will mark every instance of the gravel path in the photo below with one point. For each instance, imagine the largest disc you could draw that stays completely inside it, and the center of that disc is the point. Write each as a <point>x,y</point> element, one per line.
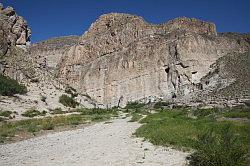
<point>97,145</point>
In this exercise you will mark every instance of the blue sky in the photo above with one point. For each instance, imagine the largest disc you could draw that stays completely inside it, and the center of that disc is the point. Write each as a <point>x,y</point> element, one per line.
<point>52,18</point>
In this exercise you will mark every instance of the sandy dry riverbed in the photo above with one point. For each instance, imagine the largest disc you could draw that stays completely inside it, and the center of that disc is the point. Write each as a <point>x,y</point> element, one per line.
<point>96,145</point>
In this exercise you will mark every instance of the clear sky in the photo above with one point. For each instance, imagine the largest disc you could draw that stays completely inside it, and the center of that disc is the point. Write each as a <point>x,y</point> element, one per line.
<point>52,18</point>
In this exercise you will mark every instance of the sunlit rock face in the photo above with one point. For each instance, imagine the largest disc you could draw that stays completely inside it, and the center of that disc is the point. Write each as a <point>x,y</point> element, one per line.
<point>13,30</point>
<point>14,35</point>
<point>123,58</point>
<point>46,54</point>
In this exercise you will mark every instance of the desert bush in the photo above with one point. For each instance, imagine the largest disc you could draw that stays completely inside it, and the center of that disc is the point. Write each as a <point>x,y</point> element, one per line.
<point>68,101</point>
<point>32,113</point>
<point>223,149</point>
<point>72,91</point>
<point>5,113</point>
<point>160,105</point>
<point>9,87</point>
<point>205,112</point>
<point>57,110</point>
<point>134,105</point>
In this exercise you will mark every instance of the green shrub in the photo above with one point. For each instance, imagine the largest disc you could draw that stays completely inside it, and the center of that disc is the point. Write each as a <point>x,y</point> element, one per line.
<point>97,117</point>
<point>2,120</point>
<point>5,113</point>
<point>44,113</point>
<point>32,113</point>
<point>160,105</point>
<point>70,90</point>
<point>223,149</point>
<point>68,101</point>
<point>204,112</point>
<point>134,105</point>
<point>57,111</point>
<point>9,87</point>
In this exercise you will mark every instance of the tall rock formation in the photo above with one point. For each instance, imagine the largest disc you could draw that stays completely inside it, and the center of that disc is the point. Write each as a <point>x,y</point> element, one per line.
<point>13,29</point>
<point>32,66</point>
<point>123,58</point>
<point>14,32</point>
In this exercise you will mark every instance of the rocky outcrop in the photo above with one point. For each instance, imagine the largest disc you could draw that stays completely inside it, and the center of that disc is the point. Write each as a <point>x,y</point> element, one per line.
<point>14,32</point>
<point>13,29</point>
<point>47,54</point>
<point>25,64</point>
<point>122,58</point>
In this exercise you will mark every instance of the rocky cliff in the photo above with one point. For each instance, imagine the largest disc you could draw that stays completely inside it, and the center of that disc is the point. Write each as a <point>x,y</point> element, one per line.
<point>31,65</point>
<point>123,58</point>
<point>13,30</point>
<point>48,53</point>
<point>14,40</point>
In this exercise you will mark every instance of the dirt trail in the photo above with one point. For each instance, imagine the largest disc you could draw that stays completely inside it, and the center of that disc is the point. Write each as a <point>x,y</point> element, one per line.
<point>97,145</point>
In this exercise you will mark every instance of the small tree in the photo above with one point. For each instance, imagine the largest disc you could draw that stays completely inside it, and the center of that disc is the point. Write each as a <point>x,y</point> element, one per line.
<point>9,87</point>
<point>68,101</point>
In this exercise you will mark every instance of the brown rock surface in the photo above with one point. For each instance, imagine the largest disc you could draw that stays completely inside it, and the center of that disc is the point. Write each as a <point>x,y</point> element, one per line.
<point>47,54</point>
<point>122,58</point>
<point>26,65</point>
<point>13,29</point>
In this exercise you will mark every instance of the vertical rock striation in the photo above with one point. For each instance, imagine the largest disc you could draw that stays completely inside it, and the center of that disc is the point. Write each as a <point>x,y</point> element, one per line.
<point>123,58</point>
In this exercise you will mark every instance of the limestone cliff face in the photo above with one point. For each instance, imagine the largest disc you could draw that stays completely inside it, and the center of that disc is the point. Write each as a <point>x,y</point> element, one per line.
<point>14,39</point>
<point>13,30</point>
<point>48,53</point>
<point>122,58</point>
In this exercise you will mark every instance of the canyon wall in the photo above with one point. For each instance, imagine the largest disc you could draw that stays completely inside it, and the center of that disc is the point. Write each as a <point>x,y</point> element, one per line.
<point>123,58</point>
